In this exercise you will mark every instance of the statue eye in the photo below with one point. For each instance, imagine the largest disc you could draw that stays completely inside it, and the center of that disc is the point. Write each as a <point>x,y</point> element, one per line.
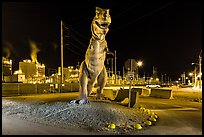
<point>105,15</point>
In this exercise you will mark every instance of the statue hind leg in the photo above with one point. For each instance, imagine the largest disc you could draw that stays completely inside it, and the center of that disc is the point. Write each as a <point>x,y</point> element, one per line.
<point>83,82</point>
<point>101,83</point>
<point>90,86</point>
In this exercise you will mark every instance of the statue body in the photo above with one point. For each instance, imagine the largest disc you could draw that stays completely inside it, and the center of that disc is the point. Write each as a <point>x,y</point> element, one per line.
<point>92,69</point>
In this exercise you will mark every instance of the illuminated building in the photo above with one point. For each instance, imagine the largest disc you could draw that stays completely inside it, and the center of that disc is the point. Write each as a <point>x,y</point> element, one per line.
<point>18,76</point>
<point>28,68</point>
<point>33,72</point>
<point>6,67</point>
<point>70,74</point>
<point>40,70</point>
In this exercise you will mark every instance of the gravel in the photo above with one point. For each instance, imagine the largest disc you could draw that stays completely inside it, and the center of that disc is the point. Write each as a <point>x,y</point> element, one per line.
<point>94,116</point>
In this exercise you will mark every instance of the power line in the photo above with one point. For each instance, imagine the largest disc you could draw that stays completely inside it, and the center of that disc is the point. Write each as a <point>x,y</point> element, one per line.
<point>74,38</point>
<point>67,43</point>
<point>72,35</point>
<point>150,13</point>
<point>200,54</point>
<point>127,9</point>
<point>68,48</point>
<point>72,44</point>
<point>79,34</point>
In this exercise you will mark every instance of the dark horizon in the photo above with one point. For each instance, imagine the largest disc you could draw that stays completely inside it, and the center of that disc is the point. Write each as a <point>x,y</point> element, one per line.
<point>165,35</point>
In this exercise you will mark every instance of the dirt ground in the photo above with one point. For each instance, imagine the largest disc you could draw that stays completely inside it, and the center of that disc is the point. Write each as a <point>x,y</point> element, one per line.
<point>95,117</point>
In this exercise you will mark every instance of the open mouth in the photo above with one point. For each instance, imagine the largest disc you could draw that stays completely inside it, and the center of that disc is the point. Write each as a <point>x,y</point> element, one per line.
<point>102,25</point>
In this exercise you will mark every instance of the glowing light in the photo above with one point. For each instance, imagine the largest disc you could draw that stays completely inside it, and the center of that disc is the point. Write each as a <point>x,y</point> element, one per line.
<point>190,74</point>
<point>199,75</point>
<point>27,60</point>
<point>18,72</point>
<point>70,67</point>
<point>139,63</point>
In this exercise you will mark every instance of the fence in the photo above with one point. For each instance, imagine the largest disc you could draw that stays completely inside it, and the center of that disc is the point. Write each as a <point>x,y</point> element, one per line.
<point>10,89</point>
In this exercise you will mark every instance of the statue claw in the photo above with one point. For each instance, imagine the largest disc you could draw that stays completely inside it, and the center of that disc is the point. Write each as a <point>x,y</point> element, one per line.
<point>82,101</point>
<point>73,101</point>
<point>100,97</point>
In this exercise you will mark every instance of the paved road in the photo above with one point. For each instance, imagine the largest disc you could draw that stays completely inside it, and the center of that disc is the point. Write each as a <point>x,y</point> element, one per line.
<point>175,118</point>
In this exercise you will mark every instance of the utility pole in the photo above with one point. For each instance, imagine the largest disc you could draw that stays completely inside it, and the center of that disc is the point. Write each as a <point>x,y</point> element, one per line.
<point>184,77</point>
<point>144,77</point>
<point>165,79</point>
<point>137,75</point>
<point>195,84</point>
<point>200,59</point>
<point>130,84</point>
<point>115,66</point>
<point>123,73</point>
<point>168,80</point>
<point>112,68</point>
<point>200,72</point>
<point>62,74</point>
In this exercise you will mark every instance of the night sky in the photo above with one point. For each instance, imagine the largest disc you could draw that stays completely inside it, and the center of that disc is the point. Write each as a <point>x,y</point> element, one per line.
<point>164,34</point>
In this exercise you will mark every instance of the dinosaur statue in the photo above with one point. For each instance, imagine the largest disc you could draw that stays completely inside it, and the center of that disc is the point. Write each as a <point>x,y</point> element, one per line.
<point>92,69</point>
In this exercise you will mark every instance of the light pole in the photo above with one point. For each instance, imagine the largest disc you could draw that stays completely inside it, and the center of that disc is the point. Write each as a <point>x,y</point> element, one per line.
<point>115,66</point>
<point>195,74</point>
<point>179,81</point>
<point>139,64</point>
<point>198,78</point>
<point>191,75</point>
<point>162,79</point>
<point>123,73</point>
<point>111,65</point>
<point>184,80</point>
<point>62,78</point>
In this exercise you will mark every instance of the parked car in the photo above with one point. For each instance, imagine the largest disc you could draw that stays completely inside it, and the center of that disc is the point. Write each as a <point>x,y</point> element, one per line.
<point>185,86</point>
<point>153,86</point>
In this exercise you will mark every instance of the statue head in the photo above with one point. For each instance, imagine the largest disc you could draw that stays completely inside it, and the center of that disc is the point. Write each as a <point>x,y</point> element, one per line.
<point>100,23</point>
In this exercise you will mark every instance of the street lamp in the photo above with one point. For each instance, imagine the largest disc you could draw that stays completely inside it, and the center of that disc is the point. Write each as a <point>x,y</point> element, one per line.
<point>139,64</point>
<point>115,67</point>
<point>191,75</point>
<point>111,71</point>
<point>198,78</point>
<point>195,74</point>
<point>111,68</point>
